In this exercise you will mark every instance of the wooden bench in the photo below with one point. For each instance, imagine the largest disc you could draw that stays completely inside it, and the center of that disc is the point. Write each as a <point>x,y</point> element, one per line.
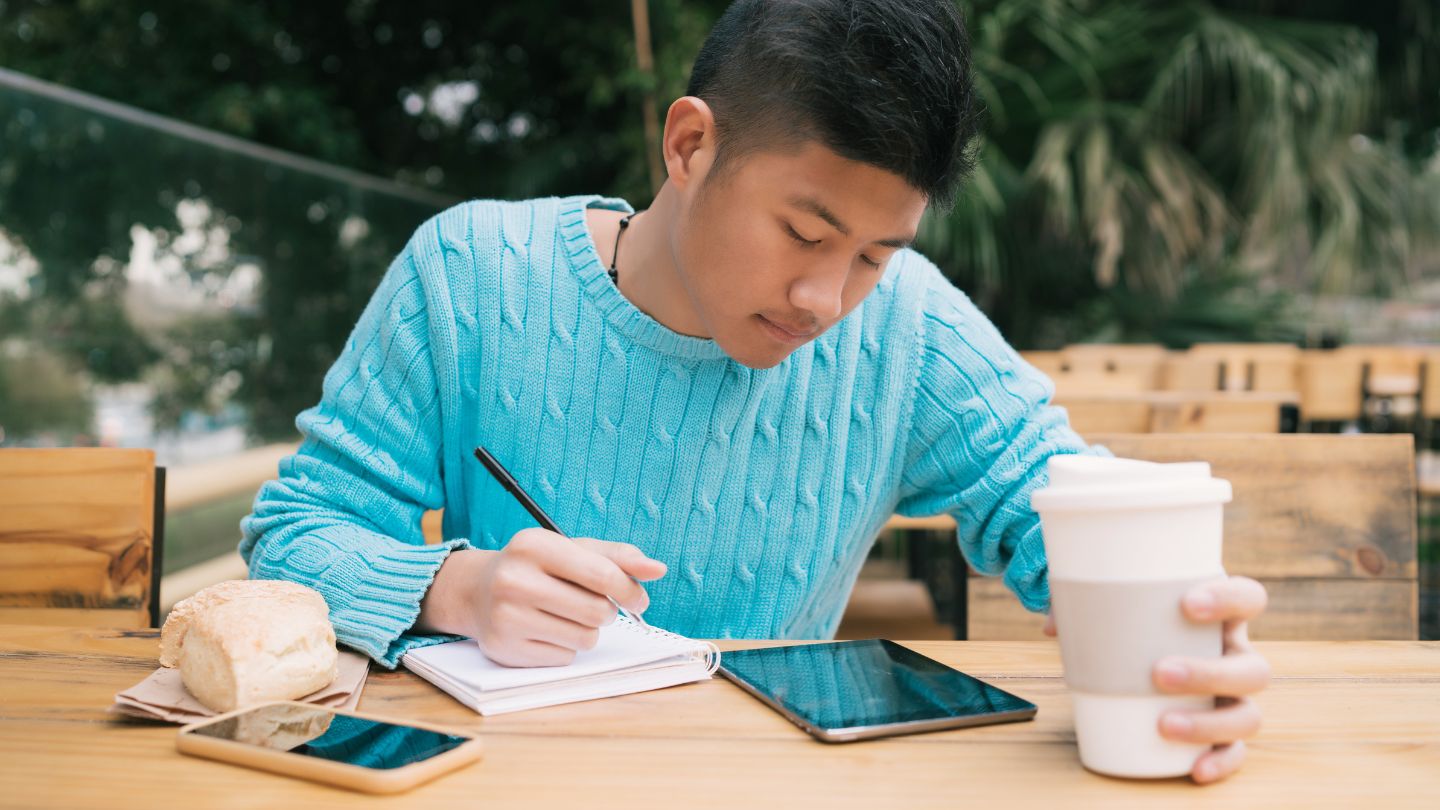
<point>1326,522</point>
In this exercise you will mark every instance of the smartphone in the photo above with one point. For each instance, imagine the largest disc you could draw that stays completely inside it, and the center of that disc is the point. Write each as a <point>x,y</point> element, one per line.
<point>858,690</point>
<point>342,748</point>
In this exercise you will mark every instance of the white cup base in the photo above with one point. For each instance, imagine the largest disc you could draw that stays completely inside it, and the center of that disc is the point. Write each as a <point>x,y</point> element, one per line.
<point>1120,735</point>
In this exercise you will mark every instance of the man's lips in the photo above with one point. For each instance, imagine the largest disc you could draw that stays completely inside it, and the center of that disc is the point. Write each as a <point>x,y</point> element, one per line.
<point>797,332</point>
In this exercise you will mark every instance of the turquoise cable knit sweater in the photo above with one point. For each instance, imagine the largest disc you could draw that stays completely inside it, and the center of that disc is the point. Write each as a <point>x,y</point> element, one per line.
<point>762,490</point>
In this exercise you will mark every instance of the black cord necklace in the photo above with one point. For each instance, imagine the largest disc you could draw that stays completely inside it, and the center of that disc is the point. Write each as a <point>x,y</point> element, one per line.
<point>624,223</point>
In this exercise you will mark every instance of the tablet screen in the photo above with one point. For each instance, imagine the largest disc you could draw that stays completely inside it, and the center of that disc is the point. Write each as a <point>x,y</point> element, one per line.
<point>851,684</point>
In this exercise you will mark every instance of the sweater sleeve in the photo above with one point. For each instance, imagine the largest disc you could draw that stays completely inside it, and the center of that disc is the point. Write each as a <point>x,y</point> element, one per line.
<point>982,430</point>
<point>344,515</point>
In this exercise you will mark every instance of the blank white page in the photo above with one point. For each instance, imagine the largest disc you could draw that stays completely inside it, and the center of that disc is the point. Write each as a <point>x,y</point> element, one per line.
<point>622,645</point>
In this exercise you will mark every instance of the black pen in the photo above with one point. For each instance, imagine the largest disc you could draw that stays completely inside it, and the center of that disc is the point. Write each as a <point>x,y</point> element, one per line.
<point>513,487</point>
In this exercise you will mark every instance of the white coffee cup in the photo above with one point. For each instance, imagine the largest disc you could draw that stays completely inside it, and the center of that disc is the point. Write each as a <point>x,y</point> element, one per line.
<point>1125,540</point>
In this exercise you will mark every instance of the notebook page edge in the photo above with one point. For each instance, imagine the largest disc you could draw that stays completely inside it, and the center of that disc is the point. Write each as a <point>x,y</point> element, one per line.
<point>464,662</point>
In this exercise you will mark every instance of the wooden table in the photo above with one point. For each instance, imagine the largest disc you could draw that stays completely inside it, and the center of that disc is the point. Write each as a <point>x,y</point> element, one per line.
<point>1349,724</point>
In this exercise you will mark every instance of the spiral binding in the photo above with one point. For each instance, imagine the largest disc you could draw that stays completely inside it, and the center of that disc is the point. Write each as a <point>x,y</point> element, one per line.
<point>712,652</point>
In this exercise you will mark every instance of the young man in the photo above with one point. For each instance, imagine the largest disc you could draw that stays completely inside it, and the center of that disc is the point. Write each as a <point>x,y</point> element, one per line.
<point>734,388</point>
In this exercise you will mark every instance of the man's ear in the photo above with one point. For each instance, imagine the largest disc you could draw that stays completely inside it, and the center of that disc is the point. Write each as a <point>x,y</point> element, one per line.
<point>689,141</point>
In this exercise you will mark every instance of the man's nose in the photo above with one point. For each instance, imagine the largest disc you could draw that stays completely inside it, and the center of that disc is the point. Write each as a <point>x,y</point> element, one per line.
<point>820,292</point>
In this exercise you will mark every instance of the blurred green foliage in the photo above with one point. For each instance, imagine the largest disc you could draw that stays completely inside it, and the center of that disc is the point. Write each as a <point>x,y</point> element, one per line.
<point>556,110</point>
<point>1171,171</point>
<point>1151,171</point>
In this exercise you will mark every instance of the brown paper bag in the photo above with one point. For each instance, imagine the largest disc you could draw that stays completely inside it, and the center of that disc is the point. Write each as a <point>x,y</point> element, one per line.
<point>162,695</point>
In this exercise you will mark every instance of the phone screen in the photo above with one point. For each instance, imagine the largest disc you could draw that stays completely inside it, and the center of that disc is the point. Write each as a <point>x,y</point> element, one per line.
<point>316,732</point>
<point>852,684</point>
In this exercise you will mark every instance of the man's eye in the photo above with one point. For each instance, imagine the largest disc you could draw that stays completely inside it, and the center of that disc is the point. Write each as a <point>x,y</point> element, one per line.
<point>798,238</point>
<point>869,261</point>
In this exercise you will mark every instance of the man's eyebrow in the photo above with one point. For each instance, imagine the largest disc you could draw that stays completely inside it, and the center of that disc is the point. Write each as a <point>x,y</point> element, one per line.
<point>899,242</point>
<point>811,205</point>
<point>814,206</point>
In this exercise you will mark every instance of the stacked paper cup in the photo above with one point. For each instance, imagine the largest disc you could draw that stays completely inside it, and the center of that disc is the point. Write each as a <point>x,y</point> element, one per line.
<point>1125,541</point>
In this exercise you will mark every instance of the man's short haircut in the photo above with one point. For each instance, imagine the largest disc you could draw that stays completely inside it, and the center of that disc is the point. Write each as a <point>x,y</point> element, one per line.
<point>882,82</point>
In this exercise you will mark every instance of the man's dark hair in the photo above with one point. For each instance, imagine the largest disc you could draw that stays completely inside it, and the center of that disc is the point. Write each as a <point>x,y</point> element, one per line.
<point>883,82</point>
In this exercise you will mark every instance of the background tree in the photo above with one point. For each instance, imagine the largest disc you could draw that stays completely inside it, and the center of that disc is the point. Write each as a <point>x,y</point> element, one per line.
<point>1166,171</point>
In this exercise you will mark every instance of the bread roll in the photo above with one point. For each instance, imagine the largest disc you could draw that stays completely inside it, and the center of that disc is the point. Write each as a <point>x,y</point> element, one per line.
<point>244,642</point>
<point>177,624</point>
<point>249,651</point>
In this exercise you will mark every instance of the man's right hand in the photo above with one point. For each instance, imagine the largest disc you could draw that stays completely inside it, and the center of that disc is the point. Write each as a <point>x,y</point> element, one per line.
<point>539,600</point>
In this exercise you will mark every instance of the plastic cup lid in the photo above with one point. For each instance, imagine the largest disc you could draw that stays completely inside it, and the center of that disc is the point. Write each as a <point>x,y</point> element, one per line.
<point>1093,483</point>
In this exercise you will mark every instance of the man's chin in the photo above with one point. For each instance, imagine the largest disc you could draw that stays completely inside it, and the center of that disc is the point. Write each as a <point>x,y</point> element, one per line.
<point>761,365</point>
<point>757,357</point>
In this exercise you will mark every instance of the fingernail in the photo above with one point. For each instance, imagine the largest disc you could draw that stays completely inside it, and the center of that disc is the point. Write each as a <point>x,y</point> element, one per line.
<point>1178,724</point>
<point>1200,604</point>
<point>1172,672</point>
<point>1206,772</point>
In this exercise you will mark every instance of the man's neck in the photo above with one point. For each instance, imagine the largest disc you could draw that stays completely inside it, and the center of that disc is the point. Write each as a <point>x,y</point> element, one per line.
<point>646,268</point>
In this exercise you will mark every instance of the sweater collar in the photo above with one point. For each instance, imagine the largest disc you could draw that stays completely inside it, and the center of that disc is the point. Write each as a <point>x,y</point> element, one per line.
<point>623,316</point>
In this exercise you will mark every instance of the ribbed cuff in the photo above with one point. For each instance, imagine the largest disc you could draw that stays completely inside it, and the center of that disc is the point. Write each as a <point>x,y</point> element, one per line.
<point>385,591</point>
<point>1027,575</point>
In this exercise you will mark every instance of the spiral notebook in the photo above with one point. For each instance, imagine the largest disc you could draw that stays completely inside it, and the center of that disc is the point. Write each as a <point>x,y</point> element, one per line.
<point>628,658</point>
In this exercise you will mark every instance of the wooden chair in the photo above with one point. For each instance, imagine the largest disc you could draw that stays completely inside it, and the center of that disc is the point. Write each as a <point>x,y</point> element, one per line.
<point>1185,372</point>
<point>1274,374</point>
<point>1390,370</point>
<point>1243,361</point>
<point>1430,387</point>
<point>1429,397</point>
<point>1392,384</point>
<point>1223,412</point>
<point>1179,412</point>
<point>1050,363</point>
<point>1331,386</point>
<point>1136,360</point>
<point>81,535</point>
<point>1080,382</point>
<point>1111,414</point>
<point>1326,522</point>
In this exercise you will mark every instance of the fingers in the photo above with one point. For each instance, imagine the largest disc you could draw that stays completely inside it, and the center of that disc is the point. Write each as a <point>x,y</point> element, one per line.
<point>544,596</point>
<point>527,653</point>
<point>1233,599</point>
<point>1236,721</point>
<point>578,561</point>
<point>552,629</point>
<point>1049,629</point>
<point>574,603</point>
<point>1234,675</point>
<point>515,627</point>
<point>1219,763</point>
<point>630,558</point>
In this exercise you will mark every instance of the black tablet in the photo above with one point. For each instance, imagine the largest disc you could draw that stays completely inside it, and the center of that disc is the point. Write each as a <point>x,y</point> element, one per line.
<point>855,690</point>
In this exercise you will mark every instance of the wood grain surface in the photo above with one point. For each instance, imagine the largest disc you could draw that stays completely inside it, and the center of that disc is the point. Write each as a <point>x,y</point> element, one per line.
<point>1325,522</point>
<point>76,531</point>
<point>1347,725</point>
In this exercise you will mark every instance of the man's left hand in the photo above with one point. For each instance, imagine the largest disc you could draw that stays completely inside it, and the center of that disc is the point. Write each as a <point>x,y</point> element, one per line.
<point>1233,678</point>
